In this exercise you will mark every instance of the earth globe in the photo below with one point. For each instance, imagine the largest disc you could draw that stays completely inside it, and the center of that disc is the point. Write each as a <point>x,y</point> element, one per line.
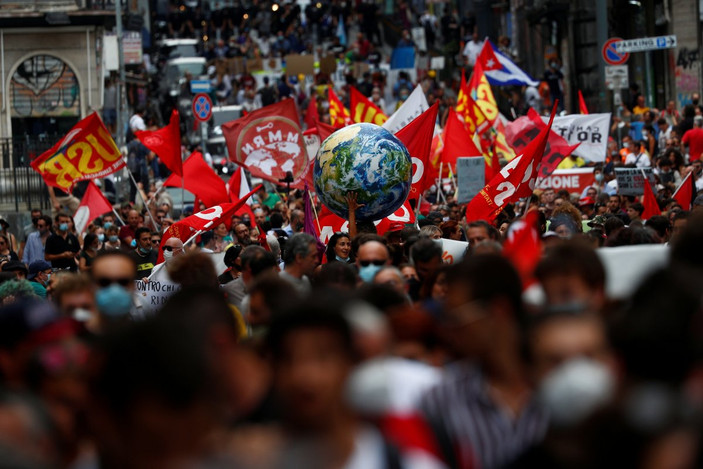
<point>368,160</point>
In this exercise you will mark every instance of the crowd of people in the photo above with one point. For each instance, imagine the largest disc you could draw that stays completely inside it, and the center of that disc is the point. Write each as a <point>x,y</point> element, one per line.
<point>369,351</point>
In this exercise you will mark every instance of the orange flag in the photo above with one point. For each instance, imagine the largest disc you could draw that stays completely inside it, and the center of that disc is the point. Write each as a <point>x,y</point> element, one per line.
<point>364,110</point>
<point>339,115</point>
<point>582,104</point>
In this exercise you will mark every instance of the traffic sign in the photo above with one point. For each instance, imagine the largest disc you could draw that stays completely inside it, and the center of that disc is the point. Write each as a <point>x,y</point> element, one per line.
<point>644,44</point>
<point>616,77</point>
<point>200,86</point>
<point>611,55</point>
<point>202,107</point>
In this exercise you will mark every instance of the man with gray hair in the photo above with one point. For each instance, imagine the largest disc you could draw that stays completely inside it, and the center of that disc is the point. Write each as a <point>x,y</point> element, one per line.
<point>300,259</point>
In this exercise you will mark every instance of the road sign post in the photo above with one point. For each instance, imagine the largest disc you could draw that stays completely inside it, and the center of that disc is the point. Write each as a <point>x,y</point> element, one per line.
<point>611,55</point>
<point>202,111</point>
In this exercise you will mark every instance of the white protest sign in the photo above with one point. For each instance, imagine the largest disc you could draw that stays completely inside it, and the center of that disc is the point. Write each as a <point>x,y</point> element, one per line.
<point>415,105</point>
<point>152,295</point>
<point>470,177</point>
<point>453,251</point>
<point>631,180</point>
<point>590,130</point>
<point>627,266</point>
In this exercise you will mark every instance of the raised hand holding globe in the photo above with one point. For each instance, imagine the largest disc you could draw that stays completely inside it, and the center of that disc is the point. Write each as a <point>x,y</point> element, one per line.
<point>368,160</point>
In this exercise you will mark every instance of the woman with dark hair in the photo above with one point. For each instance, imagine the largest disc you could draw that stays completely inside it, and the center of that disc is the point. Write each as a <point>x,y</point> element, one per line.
<point>91,244</point>
<point>339,248</point>
<point>676,159</point>
<point>6,252</point>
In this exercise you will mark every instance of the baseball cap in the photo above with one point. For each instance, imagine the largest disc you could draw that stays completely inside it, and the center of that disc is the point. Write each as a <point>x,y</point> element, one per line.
<point>586,201</point>
<point>13,266</point>
<point>37,266</point>
<point>598,220</point>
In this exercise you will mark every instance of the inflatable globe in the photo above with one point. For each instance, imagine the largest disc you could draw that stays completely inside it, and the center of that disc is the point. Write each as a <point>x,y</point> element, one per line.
<point>369,160</point>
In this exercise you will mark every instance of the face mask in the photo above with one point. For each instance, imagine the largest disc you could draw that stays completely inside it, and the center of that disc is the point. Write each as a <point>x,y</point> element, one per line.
<point>144,250</point>
<point>101,237</point>
<point>63,227</point>
<point>133,243</point>
<point>599,177</point>
<point>341,259</point>
<point>369,272</point>
<point>575,389</point>
<point>113,238</point>
<point>114,300</point>
<point>107,225</point>
<point>168,255</point>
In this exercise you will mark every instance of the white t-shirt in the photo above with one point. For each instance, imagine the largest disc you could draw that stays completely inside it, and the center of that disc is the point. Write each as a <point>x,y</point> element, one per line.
<point>471,51</point>
<point>641,160</point>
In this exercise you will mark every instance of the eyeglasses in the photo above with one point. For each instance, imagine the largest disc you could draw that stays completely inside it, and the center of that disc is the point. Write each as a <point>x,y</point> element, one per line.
<point>106,282</point>
<point>377,263</point>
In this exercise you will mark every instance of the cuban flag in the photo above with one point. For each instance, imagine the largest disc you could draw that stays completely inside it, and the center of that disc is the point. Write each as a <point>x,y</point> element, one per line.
<point>500,70</point>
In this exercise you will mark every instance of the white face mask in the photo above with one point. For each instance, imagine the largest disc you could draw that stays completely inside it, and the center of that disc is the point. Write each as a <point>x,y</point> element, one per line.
<point>168,255</point>
<point>575,389</point>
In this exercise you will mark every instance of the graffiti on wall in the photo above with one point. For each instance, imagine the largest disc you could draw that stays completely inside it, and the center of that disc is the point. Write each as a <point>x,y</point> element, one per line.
<point>44,86</point>
<point>687,75</point>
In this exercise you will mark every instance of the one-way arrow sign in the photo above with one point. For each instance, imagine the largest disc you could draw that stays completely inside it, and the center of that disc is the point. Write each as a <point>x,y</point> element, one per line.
<point>644,44</point>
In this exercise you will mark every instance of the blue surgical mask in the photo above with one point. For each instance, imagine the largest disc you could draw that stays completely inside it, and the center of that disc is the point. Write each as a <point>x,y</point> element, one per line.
<point>107,225</point>
<point>113,300</point>
<point>113,238</point>
<point>369,272</point>
<point>101,237</point>
<point>144,251</point>
<point>63,227</point>
<point>341,259</point>
<point>133,243</point>
<point>599,177</point>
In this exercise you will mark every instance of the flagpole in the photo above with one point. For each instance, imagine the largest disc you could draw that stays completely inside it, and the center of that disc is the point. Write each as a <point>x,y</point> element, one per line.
<point>118,216</point>
<point>314,211</point>
<point>153,222</point>
<point>439,181</point>
<point>183,189</point>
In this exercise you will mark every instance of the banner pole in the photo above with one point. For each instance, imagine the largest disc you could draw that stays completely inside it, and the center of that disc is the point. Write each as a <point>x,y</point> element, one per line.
<point>439,181</point>
<point>118,216</point>
<point>153,222</point>
<point>314,211</point>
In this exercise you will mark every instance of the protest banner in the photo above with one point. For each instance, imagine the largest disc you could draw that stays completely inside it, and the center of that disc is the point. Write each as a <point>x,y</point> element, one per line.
<point>152,295</point>
<point>574,180</point>
<point>590,130</point>
<point>631,180</point>
<point>470,177</point>
<point>453,251</point>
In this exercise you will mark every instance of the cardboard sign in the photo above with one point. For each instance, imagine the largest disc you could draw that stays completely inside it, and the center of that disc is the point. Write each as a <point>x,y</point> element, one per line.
<point>631,180</point>
<point>328,65</point>
<point>254,65</point>
<point>453,251</point>
<point>470,177</point>
<point>300,64</point>
<point>574,180</point>
<point>235,66</point>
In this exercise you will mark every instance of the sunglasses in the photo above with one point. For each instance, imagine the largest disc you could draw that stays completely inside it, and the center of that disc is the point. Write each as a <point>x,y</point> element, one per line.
<point>170,248</point>
<point>155,241</point>
<point>377,263</point>
<point>106,282</point>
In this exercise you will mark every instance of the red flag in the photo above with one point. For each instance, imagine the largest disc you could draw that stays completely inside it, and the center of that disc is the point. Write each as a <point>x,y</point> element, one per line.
<point>523,246</point>
<point>237,186</point>
<point>200,180</point>
<point>331,223</point>
<point>203,221</point>
<point>487,57</point>
<point>166,143</point>
<point>364,110</point>
<point>268,142</point>
<point>582,104</point>
<point>93,204</point>
<point>457,141</point>
<point>86,152</point>
<point>312,115</point>
<point>514,181</point>
<point>417,138</point>
<point>649,200</point>
<point>685,192</point>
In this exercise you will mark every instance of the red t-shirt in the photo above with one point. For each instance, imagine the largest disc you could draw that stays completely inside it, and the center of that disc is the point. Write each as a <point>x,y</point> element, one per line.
<point>694,139</point>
